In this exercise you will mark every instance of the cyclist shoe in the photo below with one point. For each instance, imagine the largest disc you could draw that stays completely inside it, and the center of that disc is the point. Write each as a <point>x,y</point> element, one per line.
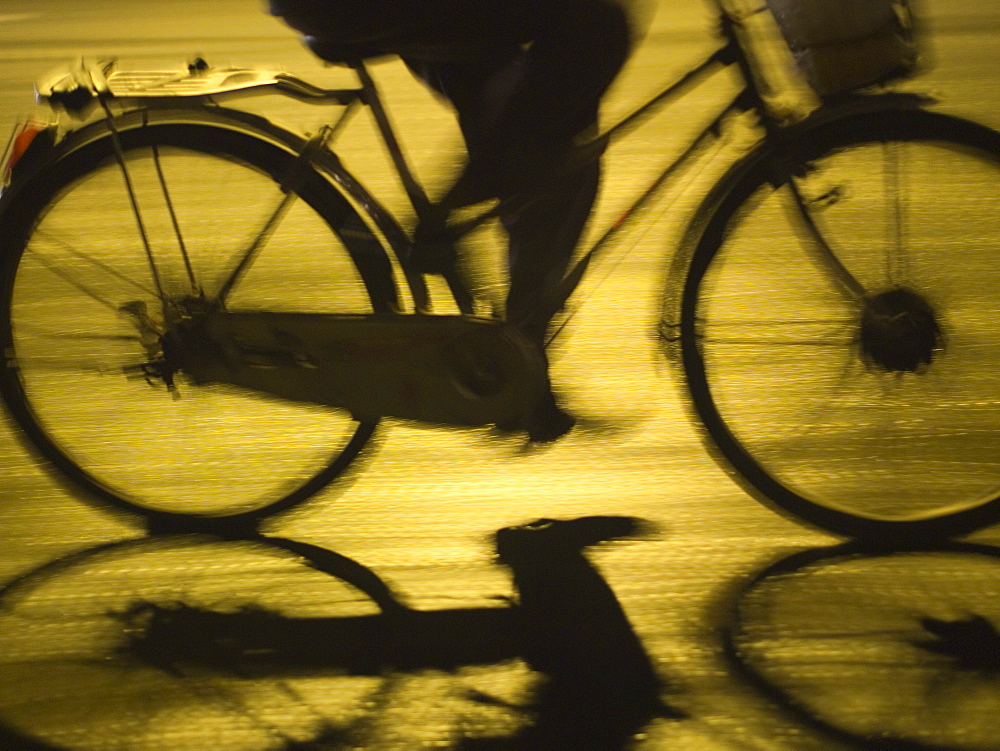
<point>548,422</point>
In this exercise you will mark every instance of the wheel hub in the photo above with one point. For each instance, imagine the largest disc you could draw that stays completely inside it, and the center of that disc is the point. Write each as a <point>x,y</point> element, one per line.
<point>899,331</point>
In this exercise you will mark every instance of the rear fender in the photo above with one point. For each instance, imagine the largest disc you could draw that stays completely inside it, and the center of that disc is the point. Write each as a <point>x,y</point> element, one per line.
<point>50,144</point>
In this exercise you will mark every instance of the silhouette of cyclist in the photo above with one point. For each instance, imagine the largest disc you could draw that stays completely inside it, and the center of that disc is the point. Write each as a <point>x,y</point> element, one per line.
<point>525,78</point>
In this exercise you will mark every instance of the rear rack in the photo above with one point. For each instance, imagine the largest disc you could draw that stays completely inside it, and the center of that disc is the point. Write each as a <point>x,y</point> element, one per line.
<point>77,87</point>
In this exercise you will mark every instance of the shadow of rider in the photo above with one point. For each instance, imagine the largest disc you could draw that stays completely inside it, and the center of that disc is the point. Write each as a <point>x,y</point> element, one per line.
<point>599,686</point>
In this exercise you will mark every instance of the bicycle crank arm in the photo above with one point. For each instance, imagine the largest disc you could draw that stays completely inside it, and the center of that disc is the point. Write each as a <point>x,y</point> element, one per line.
<point>449,370</point>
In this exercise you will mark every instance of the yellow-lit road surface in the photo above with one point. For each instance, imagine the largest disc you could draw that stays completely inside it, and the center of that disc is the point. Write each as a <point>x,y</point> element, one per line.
<point>765,635</point>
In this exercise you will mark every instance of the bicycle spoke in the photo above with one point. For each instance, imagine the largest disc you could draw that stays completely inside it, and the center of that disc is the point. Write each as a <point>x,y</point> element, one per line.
<point>130,191</point>
<point>55,364</point>
<point>897,269</point>
<point>71,279</point>
<point>246,257</point>
<point>174,222</point>
<point>27,328</point>
<point>88,258</point>
<point>790,333</point>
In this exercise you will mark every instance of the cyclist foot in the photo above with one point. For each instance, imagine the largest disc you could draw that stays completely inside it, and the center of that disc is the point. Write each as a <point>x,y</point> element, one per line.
<point>549,422</point>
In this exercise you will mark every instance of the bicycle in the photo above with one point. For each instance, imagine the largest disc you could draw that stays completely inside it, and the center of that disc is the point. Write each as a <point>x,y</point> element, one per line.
<point>295,320</point>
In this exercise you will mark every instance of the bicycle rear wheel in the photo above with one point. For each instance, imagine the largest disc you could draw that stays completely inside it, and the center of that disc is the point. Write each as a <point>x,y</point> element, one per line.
<point>79,304</point>
<point>876,417</point>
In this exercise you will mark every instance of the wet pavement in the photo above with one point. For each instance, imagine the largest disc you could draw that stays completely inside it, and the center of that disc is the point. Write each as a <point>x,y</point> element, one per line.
<point>762,634</point>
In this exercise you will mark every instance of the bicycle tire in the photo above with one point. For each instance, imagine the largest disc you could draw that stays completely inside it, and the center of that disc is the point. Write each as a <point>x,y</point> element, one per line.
<point>331,259</point>
<point>89,666</point>
<point>791,400</point>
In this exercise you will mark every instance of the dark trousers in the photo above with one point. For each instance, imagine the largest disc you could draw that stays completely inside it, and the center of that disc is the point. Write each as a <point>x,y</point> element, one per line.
<point>525,78</point>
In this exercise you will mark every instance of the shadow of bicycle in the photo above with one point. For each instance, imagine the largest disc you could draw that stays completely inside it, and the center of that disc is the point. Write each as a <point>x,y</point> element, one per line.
<point>878,649</point>
<point>273,643</point>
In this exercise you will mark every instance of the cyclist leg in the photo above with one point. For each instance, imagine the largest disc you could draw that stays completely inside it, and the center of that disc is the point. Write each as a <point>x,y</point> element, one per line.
<point>561,55</point>
<point>528,129</point>
<point>542,237</point>
<point>545,227</point>
<point>521,114</point>
<point>526,78</point>
<point>522,111</point>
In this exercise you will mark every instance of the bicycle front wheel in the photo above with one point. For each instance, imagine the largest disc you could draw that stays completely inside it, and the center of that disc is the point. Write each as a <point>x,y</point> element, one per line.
<point>80,299</point>
<point>875,411</point>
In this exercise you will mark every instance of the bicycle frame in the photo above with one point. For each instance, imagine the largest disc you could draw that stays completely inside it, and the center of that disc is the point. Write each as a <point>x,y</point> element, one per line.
<point>82,89</point>
<point>749,98</point>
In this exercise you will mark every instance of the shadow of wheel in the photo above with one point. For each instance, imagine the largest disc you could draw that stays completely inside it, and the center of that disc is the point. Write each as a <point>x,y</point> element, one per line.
<point>882,650</point>
<point>71,679</point>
